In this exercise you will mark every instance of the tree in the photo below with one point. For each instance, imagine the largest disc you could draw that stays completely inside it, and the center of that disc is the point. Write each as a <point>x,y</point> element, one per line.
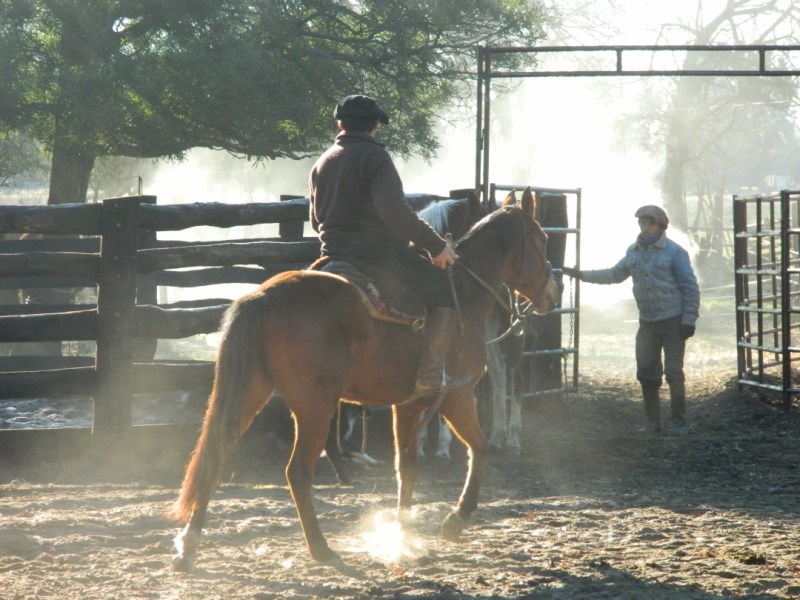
<point>712,134</point>
<point>141,78</point>
<point>714,131</point>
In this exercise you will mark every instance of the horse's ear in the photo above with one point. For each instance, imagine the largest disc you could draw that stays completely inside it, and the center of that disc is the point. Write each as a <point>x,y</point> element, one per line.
<point>511,199</point>
<point>474,199</point>
<point>485,205</point>
<point>529,203</point>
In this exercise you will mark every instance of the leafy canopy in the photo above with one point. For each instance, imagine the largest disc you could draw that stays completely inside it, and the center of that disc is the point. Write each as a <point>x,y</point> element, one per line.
<point>259,78</point>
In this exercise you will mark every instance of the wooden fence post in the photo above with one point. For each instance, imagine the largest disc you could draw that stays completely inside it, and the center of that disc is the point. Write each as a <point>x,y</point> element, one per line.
<point>146,292</point>
<point>291,230</point>
<point>116,304</point>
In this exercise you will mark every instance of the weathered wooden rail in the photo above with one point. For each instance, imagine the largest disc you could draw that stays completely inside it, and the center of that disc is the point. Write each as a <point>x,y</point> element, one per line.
<point>112,246</point>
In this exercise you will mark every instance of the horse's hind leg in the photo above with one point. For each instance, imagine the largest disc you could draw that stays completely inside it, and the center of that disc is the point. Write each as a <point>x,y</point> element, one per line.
<point>208,461</point>
<point>462,416</point>
<point>312,425</point>
<point>187,541</point>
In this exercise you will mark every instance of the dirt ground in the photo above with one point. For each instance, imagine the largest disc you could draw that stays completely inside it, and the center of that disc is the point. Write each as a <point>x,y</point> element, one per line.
<point>592,509</point>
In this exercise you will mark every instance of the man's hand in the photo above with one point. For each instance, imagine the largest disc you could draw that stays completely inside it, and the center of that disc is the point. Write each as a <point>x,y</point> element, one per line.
<point>687,331</point>
<point>570,272</point>
<point>445,258</point>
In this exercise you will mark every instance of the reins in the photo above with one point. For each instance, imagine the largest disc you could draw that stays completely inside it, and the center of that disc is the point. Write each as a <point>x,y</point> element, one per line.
<point>512,308</point>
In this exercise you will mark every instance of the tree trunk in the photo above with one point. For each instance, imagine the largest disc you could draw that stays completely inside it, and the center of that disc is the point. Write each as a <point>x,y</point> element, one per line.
<point>678,153</point>
<point>70,170</point>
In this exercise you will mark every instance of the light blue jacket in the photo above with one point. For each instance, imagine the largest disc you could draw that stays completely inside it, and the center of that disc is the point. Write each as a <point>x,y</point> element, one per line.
<point>664,284</point>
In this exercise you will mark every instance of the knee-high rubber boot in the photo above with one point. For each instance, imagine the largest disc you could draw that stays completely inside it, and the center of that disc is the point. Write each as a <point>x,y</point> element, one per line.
<point>440,327</point>
<point>677,401</point>
<point>652,409</point>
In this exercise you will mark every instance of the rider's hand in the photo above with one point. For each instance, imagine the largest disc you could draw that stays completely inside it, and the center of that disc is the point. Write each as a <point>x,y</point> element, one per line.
<point>445,258</point>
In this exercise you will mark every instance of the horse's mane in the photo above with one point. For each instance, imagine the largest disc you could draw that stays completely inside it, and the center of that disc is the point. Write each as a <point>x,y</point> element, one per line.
<point>501,219</point>
<point>439,214</point>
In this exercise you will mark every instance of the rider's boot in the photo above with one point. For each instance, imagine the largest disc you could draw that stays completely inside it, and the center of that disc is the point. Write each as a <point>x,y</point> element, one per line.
<point>440,327</point>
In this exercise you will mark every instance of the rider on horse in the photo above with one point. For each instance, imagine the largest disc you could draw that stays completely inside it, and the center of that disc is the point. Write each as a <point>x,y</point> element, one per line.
<point>359,210</point>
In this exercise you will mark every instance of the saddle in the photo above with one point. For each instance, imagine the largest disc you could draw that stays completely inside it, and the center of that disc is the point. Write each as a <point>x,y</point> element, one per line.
<point>385,297</point>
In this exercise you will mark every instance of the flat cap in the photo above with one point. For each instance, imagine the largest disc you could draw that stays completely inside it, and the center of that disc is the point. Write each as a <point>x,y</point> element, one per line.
<point>654,212</point>
<point>360,106</point>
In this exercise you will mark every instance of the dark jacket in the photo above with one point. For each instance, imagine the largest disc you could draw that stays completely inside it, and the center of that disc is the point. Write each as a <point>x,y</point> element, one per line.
<point>357,199</point>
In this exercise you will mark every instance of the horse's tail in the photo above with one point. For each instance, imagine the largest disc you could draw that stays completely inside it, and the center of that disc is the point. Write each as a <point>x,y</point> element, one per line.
<point>241,388</point>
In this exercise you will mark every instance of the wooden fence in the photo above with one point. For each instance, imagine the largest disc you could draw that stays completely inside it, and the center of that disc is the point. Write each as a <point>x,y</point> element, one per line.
<point>113,247</point>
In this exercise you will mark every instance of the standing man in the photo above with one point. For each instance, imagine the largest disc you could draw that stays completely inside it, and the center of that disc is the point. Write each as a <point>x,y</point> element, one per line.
<point>668,299</point>
<point>359,210</point>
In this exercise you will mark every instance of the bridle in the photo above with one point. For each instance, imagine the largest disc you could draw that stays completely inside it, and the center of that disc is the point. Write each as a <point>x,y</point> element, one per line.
<point>512,307</point>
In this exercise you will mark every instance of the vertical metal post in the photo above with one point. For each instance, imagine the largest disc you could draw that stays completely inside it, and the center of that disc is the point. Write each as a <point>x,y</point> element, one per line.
<point>487,102</point>
<point>576,333</point>
<point>785,281</point>
<point>760,289</point>
<point>740,279</point>
<point>479,123</point>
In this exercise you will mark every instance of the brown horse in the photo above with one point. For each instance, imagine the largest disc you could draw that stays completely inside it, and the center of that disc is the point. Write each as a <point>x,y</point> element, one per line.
<point>308,335</point>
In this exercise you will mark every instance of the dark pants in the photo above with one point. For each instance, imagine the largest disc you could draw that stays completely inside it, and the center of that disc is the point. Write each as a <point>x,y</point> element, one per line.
<point>422,277</point>
<point>411,267</point>
<point>653,338</point>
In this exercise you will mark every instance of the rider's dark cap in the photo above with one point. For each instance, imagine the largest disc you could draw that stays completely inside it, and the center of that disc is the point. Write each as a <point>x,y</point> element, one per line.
<point>360,106</point>
<point>654,212</point>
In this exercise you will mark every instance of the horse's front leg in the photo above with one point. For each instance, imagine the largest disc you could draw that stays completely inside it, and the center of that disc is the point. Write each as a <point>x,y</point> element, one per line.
<point>462,415</point>
<point>513,445</point>
<point>405,422</point>
<point>312,425</point>
<point>445,439</point>
<point>422,440</point>
<point>334,452</point>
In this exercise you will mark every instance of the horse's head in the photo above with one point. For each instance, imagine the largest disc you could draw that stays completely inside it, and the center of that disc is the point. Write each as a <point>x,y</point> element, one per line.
<point>534,275</point>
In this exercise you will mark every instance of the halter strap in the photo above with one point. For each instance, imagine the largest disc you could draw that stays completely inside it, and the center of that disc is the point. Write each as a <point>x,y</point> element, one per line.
<point>510,307</point>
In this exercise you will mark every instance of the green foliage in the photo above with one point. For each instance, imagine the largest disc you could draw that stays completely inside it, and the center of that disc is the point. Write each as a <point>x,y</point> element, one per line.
<point>153,78</point>
<point>20,156</point>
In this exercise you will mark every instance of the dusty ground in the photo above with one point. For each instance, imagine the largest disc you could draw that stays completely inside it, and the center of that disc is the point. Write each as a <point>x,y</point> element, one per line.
<point>591,510</point>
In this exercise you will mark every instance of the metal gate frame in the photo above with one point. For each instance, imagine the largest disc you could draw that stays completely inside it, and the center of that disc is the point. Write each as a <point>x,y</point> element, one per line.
<point>758,53</point>
<point>486,72</point>
<point>568,376</point>
<point>767,260</point>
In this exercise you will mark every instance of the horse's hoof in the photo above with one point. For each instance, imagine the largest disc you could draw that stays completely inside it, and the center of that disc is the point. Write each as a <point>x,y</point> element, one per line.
<point>181,564</point>
<point>334,561</point>
<point>404,517</point>
<point>452,527</point>
<point>514,451</point>
<point>326,556</point>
